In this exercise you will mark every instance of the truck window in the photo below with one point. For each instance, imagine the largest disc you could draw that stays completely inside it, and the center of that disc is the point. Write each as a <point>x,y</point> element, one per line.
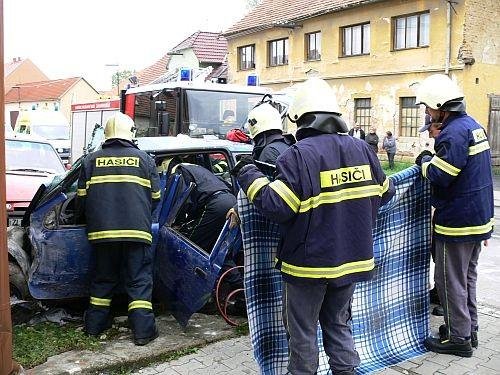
<point>146,116</point>
<point>217,112</point>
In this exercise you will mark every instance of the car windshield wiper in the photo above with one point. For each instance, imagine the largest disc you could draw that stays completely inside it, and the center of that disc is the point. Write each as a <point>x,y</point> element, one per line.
<point>29,170</point>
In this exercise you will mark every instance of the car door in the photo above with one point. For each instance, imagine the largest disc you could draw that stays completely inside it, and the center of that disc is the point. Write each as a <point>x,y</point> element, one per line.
<point>185,274</point>
<point>61,251</point>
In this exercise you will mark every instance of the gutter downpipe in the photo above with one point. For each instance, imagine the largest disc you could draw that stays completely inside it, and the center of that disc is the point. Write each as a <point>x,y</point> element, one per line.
<point>7,365</point>
<point>448,38</point>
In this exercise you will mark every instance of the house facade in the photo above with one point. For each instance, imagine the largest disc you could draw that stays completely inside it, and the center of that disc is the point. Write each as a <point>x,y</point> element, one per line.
<point>52,95</point>
<point>20,71</point>
<point>374,54</point>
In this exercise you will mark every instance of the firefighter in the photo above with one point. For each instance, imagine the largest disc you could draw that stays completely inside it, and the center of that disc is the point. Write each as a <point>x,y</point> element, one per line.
<point>118,188</point>
<point>204,214</point>
<point>324,183</point>
<point>265,126</point>
<point>266,130</point>
<point>462,193</point>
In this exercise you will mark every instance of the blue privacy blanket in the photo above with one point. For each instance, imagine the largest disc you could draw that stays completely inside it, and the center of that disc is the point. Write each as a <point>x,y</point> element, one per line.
<point>390,312</point>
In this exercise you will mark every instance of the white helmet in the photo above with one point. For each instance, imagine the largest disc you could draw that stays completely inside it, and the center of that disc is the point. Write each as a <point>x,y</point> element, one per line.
<point>313,95</point>
<point>120,126</point>
<point>263,117</point>
<point>439,92</point>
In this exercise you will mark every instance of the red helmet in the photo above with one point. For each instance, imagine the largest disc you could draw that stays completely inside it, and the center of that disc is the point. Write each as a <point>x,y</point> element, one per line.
<point>238,135</point>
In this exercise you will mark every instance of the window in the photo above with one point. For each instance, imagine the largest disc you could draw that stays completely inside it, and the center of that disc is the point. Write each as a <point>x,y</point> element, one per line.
<point>356,40</point>
<point>246,57</point>
<point>278,52</point>
<point>411,31</point>
<point>362,113</point>
<point>313,46</point>
<point>410,117</point>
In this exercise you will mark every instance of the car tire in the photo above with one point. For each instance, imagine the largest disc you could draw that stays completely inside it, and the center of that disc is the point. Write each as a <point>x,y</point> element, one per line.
<point>17,282</point>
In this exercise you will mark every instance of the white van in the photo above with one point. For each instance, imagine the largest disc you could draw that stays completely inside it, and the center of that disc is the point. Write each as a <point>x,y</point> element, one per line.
<point>51,125</point>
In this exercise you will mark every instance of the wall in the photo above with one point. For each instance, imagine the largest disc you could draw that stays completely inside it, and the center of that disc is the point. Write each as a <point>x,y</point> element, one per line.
<point>385,75</point>
<point>25,72</point>
<point>481,42</point>
<point>81,92</point>
<point>188,59</point>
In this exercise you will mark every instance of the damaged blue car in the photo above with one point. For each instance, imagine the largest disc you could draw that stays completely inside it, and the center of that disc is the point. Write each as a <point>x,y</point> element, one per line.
<point>50,256</point>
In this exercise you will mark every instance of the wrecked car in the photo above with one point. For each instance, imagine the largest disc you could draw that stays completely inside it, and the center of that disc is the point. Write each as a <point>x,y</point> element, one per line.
<point>50,256</point>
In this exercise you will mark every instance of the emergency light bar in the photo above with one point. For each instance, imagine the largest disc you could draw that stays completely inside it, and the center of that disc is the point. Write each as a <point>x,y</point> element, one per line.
<point>252,80</point>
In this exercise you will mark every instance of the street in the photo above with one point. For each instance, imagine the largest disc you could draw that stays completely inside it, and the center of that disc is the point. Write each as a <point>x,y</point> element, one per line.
<point>488,292</point>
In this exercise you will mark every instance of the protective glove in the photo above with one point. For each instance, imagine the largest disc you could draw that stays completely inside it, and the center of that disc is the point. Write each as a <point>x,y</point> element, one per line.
<point>418,160</point>
<point>244,160</point>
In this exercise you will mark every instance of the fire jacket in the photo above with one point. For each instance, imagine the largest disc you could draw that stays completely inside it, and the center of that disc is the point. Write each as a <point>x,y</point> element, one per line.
<point>207,185</point>
<point>118,188</point>
<point>461,178</point>
<point>326,196</point>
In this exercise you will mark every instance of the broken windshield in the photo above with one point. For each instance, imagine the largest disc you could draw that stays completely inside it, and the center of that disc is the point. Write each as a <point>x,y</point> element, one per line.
<point>217,112</point>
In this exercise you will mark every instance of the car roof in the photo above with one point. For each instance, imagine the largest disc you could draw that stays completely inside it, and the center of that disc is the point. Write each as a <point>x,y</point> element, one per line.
<point>25,137</point>
<point>183,143</point>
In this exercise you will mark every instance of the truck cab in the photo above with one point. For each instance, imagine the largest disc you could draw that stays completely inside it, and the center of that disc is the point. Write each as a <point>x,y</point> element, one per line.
<point>191,108</point>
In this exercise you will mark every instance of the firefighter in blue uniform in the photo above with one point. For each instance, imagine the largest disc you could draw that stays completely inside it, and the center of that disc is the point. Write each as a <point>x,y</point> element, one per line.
<point>265,126</point>
<point>324,183</point>
<point>462,193</point>
<point>118,188</point>
<point>204,214</point>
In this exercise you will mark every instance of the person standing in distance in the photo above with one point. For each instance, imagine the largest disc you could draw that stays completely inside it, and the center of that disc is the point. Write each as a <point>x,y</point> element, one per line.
<point>357,132</point>
<point>462,192</point>
<point>321,255</point>
<point>118,189</point>
<point>372,139</point>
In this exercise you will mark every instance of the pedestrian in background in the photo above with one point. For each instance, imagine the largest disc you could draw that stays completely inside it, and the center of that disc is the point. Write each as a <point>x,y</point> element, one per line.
<point>357,132</point>
<point>389,145</point>
<point>462,192</point>
<point>118,189</point>
<point>321,255</point>
<point>372,139</point>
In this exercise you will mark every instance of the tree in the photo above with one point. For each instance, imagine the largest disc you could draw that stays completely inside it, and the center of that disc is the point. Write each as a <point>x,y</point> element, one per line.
<point>120,76</point>
<point>252,4</point>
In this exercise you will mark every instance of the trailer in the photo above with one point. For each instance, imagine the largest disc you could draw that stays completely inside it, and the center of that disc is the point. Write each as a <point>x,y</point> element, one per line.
<point>84,118</point>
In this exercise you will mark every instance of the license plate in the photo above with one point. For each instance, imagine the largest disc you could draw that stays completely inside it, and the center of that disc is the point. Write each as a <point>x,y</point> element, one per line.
<point>14,221</point>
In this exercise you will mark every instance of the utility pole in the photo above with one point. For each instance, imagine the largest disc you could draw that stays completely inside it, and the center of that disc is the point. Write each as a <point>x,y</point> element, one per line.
<point>7,365</point>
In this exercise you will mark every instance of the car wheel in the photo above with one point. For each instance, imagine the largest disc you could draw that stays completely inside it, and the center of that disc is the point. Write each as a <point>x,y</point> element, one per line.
<point>17,282</point>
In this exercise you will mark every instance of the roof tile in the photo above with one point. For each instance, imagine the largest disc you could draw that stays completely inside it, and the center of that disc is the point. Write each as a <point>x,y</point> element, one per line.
<point>38,91</point>
<point>208,47</point>
<point>272,12</point>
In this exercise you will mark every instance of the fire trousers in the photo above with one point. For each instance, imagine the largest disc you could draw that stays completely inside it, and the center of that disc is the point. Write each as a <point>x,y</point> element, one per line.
<point>135,261</point>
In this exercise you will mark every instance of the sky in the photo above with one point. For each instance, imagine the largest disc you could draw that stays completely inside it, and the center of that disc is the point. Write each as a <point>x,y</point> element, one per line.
<point>78,38</point>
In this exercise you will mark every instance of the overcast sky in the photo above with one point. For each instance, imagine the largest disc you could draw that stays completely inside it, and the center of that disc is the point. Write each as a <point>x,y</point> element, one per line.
<point>77,38</point>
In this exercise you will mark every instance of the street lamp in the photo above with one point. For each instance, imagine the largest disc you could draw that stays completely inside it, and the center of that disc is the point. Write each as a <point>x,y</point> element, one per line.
<point>117,76</point>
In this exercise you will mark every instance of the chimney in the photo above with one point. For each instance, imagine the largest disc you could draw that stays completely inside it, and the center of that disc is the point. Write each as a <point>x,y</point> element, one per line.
<point>14,59</point>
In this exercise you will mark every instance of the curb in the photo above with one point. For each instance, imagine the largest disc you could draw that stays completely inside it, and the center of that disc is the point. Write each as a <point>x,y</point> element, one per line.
<point>201,331</point>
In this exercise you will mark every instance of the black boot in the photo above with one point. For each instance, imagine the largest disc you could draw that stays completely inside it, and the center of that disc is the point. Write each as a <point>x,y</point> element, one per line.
<point>458,347</point>
<point>443,335</point>
<point>146,340</point>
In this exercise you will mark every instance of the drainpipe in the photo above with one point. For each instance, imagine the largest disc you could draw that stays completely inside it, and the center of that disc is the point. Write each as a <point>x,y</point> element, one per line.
<point>448,37</point>
<point>6,363</point>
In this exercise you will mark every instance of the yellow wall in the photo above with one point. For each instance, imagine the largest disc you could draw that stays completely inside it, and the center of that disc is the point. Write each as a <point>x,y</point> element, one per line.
<point>383,75</point>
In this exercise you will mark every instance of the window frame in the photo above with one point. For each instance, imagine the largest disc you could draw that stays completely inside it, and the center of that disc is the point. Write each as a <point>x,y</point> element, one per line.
<point>285,52</point>
<point>409,124</point>
<point>249,63</point>
<point>307,46</point>
<point>361,42</point>
<point>363,112</point>
<point>422,40</point>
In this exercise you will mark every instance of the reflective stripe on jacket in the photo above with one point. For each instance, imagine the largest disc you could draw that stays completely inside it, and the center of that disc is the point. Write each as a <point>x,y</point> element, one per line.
<point>325,197</point>
<point>461,178</point>
<point>118,188</point>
